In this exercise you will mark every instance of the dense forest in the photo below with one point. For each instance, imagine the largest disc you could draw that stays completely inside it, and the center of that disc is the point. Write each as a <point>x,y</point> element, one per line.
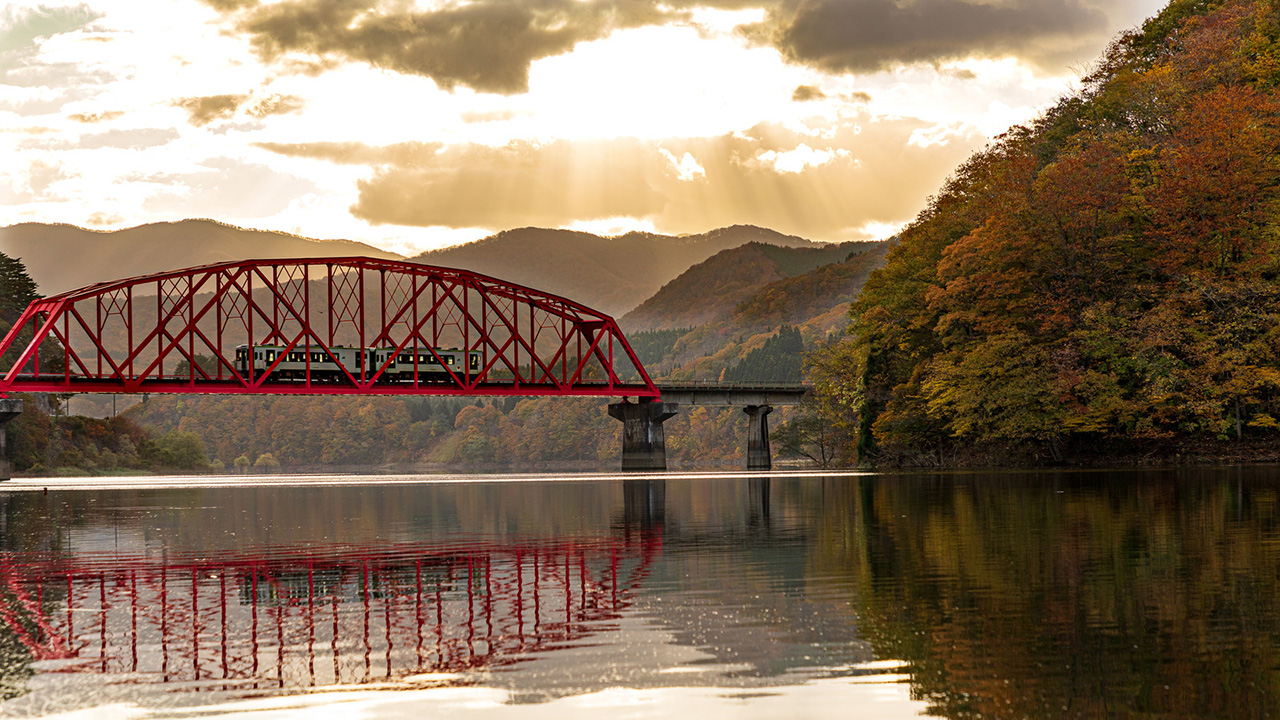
<point>1100,283</point>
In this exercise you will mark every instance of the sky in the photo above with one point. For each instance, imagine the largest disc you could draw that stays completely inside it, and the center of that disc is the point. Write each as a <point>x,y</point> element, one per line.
<point>417,124</point>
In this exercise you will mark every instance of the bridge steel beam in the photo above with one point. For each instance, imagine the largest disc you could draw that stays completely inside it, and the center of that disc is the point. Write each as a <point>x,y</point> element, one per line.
<point>325,326</point>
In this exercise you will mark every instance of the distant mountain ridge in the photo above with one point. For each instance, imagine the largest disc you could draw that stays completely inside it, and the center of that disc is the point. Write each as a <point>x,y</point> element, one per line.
<point>711,289</point>
<point>714,314</point>
<point>611,274</point>
<point>65,257</point>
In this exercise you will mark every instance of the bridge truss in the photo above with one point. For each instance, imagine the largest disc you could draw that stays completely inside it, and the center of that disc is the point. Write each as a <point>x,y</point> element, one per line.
<point>347,326</point>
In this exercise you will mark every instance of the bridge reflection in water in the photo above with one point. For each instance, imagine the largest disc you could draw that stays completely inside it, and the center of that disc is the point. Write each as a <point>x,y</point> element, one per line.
<point>329,615</point>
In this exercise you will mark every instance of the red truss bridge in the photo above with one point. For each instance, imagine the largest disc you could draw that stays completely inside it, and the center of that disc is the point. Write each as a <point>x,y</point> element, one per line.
<point>339,326</point>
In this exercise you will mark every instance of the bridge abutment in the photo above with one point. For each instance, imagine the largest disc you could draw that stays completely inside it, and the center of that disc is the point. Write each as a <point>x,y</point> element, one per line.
<point>644,443</point>
<point>9,409</point>
<point>758,454</point>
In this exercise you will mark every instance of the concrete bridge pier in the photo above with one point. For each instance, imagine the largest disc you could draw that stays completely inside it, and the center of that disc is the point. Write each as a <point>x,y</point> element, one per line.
<point>758,455</point>
<point>9,409</point>
<point>644,444</point>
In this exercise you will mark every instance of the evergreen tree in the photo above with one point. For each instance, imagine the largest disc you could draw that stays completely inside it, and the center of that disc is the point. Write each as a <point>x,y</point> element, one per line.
<point>17,290</point>
<point>778,360</point>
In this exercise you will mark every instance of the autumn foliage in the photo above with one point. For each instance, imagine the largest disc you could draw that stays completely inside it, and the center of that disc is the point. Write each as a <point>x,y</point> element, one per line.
<point>1107,275</point>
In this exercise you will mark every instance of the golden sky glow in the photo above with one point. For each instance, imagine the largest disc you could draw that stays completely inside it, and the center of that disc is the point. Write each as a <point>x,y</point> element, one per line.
<point>415,125</point>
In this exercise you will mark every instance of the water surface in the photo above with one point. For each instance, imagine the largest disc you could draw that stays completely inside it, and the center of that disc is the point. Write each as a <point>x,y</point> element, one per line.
<point>957,595</point>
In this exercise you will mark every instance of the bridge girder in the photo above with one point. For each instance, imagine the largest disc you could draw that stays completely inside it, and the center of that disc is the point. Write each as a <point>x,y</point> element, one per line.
<point>340,326</point>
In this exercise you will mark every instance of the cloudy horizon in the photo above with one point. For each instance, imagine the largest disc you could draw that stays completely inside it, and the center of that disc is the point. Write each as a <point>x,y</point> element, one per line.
<point>412,125</point>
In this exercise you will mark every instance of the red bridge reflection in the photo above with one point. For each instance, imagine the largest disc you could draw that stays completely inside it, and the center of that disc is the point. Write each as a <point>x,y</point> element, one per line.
<point>320,617</point>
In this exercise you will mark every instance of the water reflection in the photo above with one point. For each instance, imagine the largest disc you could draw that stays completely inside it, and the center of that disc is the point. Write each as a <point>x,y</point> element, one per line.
<point>1074,594</point>
<point>108,592</point>
<point>1003,595</point>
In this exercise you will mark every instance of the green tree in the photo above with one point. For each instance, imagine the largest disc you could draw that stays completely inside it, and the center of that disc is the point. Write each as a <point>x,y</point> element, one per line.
<point>267,463</point>
<point>182,450</point>
<point>17,290</point>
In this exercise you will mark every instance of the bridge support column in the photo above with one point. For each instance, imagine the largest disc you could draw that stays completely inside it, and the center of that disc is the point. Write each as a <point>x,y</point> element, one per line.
<point>758,455</point>
<point>644,444</point>
<point>9,409</point>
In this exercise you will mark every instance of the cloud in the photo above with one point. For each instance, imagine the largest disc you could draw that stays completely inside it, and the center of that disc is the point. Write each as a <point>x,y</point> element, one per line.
<point>32,84</point>
<point>800,159</point>
<point>871,35</point>
<point>487,45</point>
<point>224,187</point>
<point>356,153</point>
<point>204,110</point>
<point>103,219</point>
<point>96,117</point>
<point>483,116</point>
<point>687,167</point>
<point>41,175</point>
<point>21,27</point>
<point>863,171</point>
<point>522,183</point>
<point>136,139</point>
<point>804,93</point>
<point>276,105</point>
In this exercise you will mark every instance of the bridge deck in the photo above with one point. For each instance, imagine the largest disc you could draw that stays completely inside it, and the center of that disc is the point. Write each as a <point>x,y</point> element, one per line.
<point>740,394</point>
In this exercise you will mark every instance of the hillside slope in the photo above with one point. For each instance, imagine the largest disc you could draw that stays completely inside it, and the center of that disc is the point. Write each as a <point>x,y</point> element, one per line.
<point>612,275</point>
<point>711,289</point>
<point>65,257</point>
<point>1100,283</point>
<point>715,318</point>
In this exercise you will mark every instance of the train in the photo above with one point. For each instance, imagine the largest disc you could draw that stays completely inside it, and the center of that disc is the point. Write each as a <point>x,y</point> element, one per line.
<point>294,366</point>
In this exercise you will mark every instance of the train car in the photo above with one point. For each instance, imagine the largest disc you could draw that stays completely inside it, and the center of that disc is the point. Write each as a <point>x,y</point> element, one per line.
<point>295,364</point>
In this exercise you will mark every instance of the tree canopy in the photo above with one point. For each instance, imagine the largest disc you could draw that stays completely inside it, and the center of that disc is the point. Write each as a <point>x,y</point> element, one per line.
<point>1106,273</point>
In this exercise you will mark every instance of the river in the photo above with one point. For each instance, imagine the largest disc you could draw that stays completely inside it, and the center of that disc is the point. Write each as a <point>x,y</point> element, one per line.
<point>797,594</point>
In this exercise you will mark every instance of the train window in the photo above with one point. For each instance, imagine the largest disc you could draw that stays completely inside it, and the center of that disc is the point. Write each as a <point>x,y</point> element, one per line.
<point>475,362</point>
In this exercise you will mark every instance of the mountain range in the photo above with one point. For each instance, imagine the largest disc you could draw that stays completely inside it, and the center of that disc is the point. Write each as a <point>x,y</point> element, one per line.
<point>712,297</point>
<point>65,257</point>
<point>611,274</point>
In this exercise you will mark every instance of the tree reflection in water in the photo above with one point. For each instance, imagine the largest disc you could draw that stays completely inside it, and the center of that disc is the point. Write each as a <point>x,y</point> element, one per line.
<point>1071,594</point>
<point>1008,595</point>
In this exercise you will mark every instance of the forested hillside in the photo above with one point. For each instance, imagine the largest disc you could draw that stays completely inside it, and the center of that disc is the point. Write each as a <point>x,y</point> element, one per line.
<point>1102,282</point>
<point>710,290</point>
